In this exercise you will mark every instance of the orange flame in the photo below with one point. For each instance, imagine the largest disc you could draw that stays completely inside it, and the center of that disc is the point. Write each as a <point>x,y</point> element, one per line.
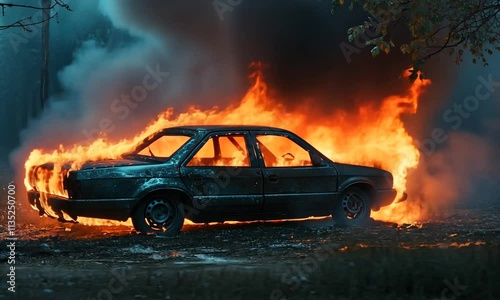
<point>374,136</point>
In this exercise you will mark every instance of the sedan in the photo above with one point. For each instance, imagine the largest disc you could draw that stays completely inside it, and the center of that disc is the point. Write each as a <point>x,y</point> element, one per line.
<point>216,174</point>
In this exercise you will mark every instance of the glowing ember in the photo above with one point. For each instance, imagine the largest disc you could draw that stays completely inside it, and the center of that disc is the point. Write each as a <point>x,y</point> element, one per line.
<point>374,136</point>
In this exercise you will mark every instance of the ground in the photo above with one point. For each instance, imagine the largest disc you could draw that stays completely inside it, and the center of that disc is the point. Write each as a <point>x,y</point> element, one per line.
<point>454,256</point>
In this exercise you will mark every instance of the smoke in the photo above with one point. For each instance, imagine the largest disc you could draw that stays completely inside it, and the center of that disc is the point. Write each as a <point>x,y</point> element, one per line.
<point>116,88</point>
<point>299,40</point>
<point>114,77</point>
<point>459,143</point>
<point>462,174</point>
<point>206,59</point>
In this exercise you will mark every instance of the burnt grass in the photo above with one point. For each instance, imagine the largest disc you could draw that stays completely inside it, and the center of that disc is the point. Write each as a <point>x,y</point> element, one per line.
<point>453,256</point>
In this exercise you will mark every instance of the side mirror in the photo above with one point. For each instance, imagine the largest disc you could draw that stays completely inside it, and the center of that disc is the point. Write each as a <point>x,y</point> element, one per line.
<point>317,160</point>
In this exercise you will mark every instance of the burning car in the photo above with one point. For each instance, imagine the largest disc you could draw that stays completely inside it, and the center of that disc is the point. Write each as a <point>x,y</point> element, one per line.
<point>213,174</point>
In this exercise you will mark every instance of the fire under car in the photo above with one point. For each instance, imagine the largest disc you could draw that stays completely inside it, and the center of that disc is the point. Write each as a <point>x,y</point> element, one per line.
<point>216,174</point>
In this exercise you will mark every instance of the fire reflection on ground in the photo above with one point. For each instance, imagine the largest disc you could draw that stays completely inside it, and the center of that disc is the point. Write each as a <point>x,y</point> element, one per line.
<point>456,228</point>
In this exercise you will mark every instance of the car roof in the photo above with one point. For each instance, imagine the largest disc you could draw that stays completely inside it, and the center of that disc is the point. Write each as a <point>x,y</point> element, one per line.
<point>210,128</point>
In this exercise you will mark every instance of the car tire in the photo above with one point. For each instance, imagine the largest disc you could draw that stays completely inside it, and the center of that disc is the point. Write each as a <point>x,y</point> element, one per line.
<point>352,208</point>
<point>159,214</point>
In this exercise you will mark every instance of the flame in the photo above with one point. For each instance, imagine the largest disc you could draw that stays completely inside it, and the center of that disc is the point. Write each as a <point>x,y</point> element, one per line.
<point>372,136</point>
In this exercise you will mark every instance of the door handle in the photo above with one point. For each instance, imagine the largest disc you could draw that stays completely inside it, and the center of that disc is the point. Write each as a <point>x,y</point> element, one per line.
<point>273,178</point>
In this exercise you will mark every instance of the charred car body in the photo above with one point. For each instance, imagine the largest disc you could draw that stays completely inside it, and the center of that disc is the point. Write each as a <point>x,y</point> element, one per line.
<point>216,174</point>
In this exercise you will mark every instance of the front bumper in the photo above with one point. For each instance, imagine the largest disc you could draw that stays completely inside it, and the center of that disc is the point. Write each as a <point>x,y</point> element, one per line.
<point>385,198</point>
<point>56,206</point>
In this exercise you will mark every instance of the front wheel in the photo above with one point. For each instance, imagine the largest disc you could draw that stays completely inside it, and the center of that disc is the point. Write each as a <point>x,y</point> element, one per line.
<point>353,208</point>
<point>159,214</point>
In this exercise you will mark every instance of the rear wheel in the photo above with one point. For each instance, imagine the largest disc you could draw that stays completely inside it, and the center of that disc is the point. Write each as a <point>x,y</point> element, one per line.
<point>159,214</point>
<point>353,207</point>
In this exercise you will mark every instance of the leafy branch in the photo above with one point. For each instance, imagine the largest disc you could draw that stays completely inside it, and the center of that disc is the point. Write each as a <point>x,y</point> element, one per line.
<point>432,26</point>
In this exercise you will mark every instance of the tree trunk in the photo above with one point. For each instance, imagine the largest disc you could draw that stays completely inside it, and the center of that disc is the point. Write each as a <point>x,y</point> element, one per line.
<point>44,80</point>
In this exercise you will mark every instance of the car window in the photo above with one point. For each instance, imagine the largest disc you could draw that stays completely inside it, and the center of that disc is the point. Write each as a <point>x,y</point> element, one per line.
<point>230,150</point>
<point>280,151</point>
<point>164,146</point>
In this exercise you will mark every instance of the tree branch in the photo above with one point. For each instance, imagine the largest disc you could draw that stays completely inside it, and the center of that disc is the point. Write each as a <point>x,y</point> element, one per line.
<point>25,26</point>
<point>56,3</point>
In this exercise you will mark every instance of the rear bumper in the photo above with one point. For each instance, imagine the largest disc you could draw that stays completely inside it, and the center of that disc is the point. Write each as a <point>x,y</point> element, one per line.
<point>384,198</point>
<point>54,206</point>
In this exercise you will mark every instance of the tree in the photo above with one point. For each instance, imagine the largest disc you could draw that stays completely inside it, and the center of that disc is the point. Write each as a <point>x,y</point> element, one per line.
<point>44,76</point>
<point>40,15</point>
<point>26,22</point>
<point>434,26</point>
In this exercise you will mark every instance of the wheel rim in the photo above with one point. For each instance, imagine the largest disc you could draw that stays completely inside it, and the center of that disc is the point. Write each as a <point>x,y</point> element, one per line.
<point>159,214</point>
<point>353,206</point>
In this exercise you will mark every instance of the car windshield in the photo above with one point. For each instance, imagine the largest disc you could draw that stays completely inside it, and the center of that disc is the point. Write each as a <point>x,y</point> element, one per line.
<point>159,146</point>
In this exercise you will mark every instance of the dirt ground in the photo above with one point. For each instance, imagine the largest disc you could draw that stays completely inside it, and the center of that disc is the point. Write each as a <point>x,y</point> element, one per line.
<point>455,256</point>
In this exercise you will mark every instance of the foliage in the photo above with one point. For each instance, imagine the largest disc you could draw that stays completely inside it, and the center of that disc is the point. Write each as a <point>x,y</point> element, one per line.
<point>434,26</point>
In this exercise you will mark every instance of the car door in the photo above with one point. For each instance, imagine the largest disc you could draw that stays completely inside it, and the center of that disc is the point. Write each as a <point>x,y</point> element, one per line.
<point>293,184</point>
<point>223,174</point>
